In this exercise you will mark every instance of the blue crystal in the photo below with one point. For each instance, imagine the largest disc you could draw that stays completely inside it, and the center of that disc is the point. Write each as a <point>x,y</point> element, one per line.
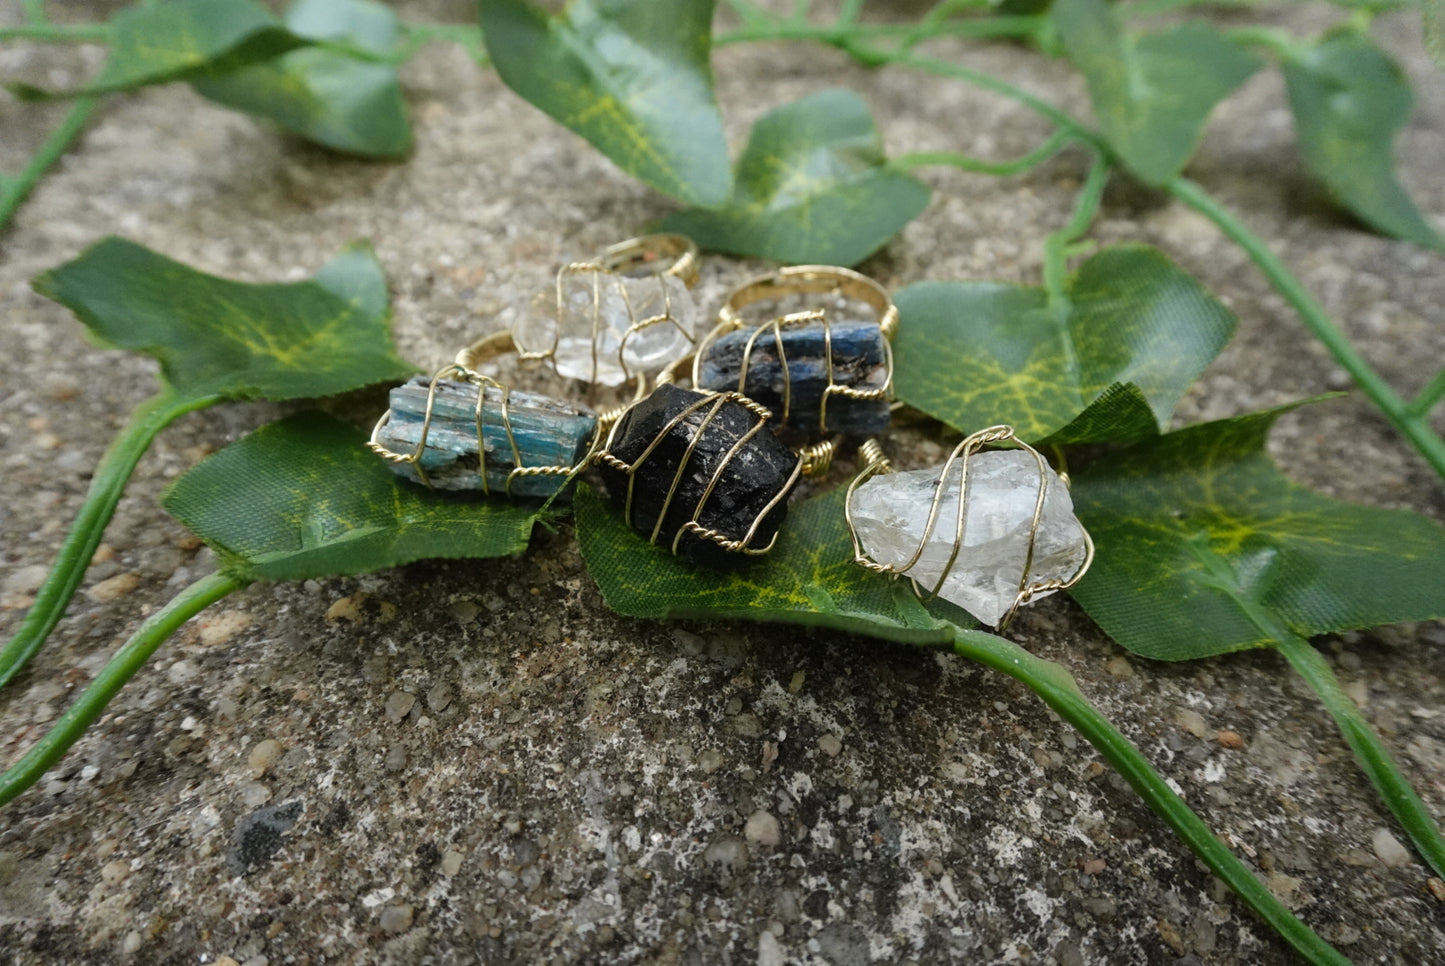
<point>860,361</point>
<point>545,431</point>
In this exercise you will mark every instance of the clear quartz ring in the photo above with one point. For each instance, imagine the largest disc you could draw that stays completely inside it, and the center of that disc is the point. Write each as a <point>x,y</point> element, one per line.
<point>619,318</point>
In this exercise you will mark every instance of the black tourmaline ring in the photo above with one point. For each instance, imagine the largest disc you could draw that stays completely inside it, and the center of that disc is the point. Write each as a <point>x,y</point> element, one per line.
<point>700,473</point>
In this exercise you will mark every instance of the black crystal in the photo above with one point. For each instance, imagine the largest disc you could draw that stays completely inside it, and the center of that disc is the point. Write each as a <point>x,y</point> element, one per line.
<point>758,473</point>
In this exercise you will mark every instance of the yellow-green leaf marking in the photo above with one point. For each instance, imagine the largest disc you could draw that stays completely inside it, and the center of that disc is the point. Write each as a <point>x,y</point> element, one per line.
<point>812,185</point>
<point>304,498</point>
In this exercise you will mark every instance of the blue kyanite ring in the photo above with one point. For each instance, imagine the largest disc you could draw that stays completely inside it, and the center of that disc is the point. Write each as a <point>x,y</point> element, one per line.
<point>818,370</point>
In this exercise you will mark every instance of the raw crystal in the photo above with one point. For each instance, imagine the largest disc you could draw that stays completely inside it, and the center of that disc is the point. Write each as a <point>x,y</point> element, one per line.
<point>546,433</point>
<point>583,324</point>
<point>890,512</point>
<point>753,477</point>
<point>859,361</point>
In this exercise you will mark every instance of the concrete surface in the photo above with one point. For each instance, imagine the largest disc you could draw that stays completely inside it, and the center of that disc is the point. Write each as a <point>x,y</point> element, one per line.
<point>476,762</point>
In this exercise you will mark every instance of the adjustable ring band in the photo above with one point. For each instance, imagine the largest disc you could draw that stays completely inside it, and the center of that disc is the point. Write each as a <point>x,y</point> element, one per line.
<point>645,253</point>
<point>810,280</point>
<point>485,349</point>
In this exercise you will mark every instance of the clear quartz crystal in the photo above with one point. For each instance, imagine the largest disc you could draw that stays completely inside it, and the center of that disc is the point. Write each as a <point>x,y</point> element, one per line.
<point>586,331</point>
<point>890,512</point>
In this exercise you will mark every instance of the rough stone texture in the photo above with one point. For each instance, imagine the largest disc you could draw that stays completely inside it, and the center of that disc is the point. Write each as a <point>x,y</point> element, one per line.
<point>584,795</point>
<point>820,356</point>
<point>691,458</point>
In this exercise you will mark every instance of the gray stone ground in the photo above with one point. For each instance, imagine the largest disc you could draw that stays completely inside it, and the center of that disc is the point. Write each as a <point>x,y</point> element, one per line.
<point>475,761</point>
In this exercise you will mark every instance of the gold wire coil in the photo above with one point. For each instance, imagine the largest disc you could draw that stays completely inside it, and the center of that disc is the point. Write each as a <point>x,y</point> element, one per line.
<point>877,463</point>
<point>713,402</point>
<point>871,456</point>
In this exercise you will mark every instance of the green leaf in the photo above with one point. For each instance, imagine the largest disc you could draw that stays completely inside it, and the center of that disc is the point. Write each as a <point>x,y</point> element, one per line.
<point>631,76</point>
<point>974,354</point>
<point>1204,547</point>
<point>156,43</point>
<point>1152,93</point>
<point>1350,100</point>
<point>216,337</point>
<point>1433,14</point>
<point>812,186</point>
<point>1118,414</point>
<point>809,578</point>
<point>305,498</point>
<point>327,96</point>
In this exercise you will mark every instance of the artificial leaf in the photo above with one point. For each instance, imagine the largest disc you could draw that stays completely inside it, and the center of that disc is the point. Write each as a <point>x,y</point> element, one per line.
<point>975,354</point>
<point>216,337</point>
<point>812,186</point>
<point>631,76</point>
<point>326,96</point>
<point>1203,546</point>
<point>160,42</point>
<point>1433,14</point>
<point>809,578</point>
<point>1349,101</point>
<point>305,498</point>
<point>1152,93</point>
<point>1118,414</point>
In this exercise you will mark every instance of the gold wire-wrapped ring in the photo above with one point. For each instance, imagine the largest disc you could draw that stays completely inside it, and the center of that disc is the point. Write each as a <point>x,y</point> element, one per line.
<point>809,280</point>
<point>646,252</point>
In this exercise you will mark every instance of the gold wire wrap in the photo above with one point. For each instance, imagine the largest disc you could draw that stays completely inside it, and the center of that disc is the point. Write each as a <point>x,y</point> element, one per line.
<point>656,257</point>
<point>804,279</point>
<point>463,370</point>
<point>870,455</point>
<point>645,253</point>
<point>877,463</point>
<point>713,402</point>
<point>811,280</point>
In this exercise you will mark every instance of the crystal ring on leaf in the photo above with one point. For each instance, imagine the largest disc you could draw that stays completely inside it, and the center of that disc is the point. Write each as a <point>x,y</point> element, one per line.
<point>700,472</point>
<point>989,530</point>
<point>823,369</point>
<point>462,430</point>
<point>618,319</point>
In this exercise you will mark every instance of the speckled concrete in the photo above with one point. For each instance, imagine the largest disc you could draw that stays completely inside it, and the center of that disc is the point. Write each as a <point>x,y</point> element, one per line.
<point>476,762</point>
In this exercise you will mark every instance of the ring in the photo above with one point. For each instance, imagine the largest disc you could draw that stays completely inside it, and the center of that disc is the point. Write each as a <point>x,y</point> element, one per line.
<point>645,253</point>
<point>969,531</point>
<point>620,318</point>
<point>823,374</point>
<point>462,430</point>
<point>812,280</point>
<point>699,472</point>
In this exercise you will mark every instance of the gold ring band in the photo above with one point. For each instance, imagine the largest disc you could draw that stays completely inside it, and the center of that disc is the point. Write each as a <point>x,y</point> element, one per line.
<point>812,279</point>
<point>647,253</point>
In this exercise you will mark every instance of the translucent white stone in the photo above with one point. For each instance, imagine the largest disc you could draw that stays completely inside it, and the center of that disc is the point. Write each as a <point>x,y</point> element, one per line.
<point>607,328</point>
<point>890,512</point>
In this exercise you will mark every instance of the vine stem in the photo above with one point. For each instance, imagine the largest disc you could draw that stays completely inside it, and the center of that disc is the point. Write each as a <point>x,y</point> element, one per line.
<point>1413,424</point>
<point>845,35</point>
<point>1058,690</point>
<point>14,191</point>
<point>60,33</point>
<point>1056,245</point>
<point>1410,419</point>
<point>1369,751</point>
<point>120,669</point>
<point>952,159</point>
<point>110,478</point>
